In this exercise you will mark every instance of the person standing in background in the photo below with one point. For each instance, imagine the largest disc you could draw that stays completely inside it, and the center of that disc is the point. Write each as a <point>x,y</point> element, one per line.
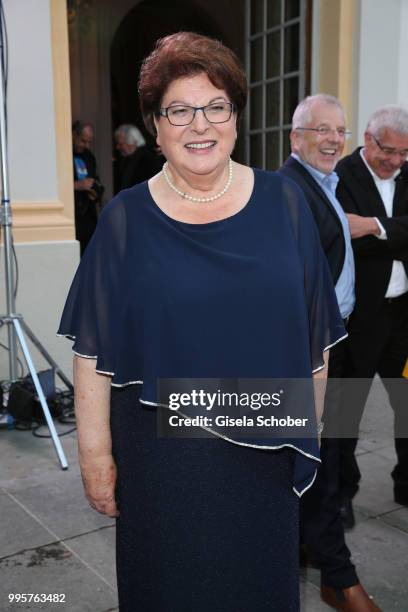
<point>373,191</point>
<point>87,186</point>
<point>136,162</point>
<point>317,142</point>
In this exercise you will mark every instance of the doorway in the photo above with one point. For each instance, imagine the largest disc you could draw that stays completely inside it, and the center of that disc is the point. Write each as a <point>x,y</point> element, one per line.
<point>135,39</point>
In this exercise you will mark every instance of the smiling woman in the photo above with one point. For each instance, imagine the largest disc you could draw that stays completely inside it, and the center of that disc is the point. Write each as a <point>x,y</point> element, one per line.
<point>210,270</point>
<point>197,151</point>
<point>192,107</point>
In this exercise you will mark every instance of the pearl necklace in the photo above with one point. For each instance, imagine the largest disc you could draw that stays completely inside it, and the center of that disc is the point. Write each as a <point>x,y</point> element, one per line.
<point>186,196</point>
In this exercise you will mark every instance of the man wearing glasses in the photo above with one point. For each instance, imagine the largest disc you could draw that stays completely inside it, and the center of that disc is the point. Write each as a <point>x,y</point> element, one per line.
<point>373,190</point>
<point>317,141</point>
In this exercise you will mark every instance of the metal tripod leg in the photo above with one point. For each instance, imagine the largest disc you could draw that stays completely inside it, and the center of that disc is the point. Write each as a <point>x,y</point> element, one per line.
<point>41,396</point>
<point>46,355</point>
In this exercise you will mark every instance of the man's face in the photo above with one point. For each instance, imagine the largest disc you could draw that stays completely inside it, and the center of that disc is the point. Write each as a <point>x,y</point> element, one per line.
<point>123,147</point>
<point>84,140</point>
<point>385,154</point>
<point>321,151</point>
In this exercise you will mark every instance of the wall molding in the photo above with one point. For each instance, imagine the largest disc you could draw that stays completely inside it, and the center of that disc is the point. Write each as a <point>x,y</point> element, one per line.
<point>63,120</point>
<point>35,221</point>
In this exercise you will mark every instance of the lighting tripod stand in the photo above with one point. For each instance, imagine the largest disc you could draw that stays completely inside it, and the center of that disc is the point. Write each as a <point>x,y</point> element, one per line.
<point>16,326</point>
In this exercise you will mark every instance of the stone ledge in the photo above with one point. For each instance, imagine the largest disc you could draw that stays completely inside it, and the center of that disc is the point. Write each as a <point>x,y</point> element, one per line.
<point>35,221</point>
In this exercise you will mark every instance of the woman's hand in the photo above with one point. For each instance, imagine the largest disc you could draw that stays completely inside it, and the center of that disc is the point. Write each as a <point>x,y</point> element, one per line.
<point>319,382</point>
<point>99,479</point>
<point>92,407</point>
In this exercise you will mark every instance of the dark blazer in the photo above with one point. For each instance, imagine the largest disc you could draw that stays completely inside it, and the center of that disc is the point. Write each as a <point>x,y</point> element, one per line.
<point>82,200</point>
<point>136,168</point>
<point>358,194</point>
<point>86,215</point>
<point>327,220</point>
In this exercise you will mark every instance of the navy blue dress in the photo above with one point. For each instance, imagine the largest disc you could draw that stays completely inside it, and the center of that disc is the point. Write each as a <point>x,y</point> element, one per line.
<point>206,524</point>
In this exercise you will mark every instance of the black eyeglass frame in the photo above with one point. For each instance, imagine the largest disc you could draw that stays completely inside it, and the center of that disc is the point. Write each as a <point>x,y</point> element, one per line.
<point>163,112</point>
<point>322,131</point>
<point>389,151</point>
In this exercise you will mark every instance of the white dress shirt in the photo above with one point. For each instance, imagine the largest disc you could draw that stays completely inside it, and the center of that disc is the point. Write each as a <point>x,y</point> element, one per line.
<point>386,188</point>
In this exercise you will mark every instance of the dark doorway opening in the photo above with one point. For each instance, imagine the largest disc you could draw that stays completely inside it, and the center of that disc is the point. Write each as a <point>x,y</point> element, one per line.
<point>135,38</point>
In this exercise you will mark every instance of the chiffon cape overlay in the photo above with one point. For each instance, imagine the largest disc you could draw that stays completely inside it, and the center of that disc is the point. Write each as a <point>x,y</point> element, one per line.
<point>249,296</point>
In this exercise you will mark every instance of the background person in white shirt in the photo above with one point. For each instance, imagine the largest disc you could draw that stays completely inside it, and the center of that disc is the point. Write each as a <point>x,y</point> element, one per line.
<point>373,190</point>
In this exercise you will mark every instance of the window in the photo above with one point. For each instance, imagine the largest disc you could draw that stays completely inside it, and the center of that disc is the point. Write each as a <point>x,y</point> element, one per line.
<point>275,64</point>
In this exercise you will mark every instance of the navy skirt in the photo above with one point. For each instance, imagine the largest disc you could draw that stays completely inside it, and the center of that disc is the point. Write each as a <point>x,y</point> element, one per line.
<point>204,525</point>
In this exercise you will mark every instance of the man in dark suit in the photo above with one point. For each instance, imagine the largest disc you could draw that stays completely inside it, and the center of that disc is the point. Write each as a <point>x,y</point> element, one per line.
<point>136,162</point>
<point>373,190</point>
<point>317,141</point>
<point>88,190</point>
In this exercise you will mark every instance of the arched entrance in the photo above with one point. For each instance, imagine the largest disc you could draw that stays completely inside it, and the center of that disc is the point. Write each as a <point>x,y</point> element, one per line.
<point>108,40</point>
<point>133,41</point>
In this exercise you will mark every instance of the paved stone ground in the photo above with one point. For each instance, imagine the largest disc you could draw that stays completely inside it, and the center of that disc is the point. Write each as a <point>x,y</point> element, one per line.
<point>52,542</point>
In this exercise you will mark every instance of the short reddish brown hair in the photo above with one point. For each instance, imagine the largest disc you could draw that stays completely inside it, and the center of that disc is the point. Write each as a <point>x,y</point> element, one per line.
<point>186,54</point>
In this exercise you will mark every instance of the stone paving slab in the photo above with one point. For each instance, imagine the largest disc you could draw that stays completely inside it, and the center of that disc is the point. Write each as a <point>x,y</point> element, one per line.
<point>380,554</point>
<point>369,443</point>
<point>376,495</point>
<point>19,530</point>
<point>360,516</point>
<point>378,415</point>
<point>27,460</point>
<point>98,550</point>
<point>62,506</point>
<point>388,452</point>
<point>376,428</point>
<point>399,520</point>
<point>54,569</point>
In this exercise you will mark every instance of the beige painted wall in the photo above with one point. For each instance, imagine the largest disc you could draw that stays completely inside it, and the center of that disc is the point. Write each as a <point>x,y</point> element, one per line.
<point>337,28</point>
<point>39,120</point>
<point>40,159</point>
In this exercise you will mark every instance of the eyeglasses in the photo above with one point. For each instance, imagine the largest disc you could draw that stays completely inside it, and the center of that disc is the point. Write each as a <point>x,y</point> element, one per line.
<point>323,130</point>
<point>178,114</point>
<point>389,150</point>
